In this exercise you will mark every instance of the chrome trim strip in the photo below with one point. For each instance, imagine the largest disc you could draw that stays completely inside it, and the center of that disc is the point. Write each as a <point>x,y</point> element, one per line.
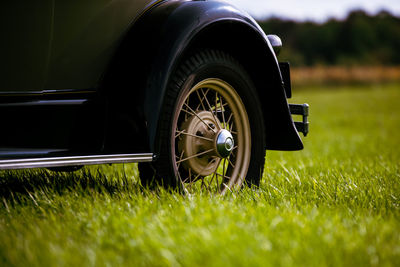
<point>47,92</point>
<point>73,161</point>
<point>65,102</point>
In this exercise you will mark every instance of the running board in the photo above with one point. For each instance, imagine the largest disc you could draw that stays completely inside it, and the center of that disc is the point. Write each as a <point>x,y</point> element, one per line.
<point>73,161</point>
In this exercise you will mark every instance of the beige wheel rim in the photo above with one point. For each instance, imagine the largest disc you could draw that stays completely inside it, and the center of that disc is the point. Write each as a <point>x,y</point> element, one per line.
<point>211,144</point>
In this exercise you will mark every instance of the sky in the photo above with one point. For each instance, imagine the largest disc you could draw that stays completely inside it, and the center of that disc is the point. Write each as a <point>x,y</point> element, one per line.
<point>316,10</point>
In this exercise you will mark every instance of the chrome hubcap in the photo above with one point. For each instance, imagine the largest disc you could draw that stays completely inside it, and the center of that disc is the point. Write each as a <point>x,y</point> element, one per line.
<point>224,143</point>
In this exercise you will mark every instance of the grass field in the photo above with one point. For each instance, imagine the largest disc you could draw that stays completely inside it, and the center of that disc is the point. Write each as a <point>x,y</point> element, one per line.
<point>340,75</point>
<point>336,203</point>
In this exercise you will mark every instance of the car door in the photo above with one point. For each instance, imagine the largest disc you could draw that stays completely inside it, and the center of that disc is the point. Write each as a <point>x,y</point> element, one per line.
<point>25,28</point>
<point>86,35</point>
<point>53,55</point>
<point>26,34</point>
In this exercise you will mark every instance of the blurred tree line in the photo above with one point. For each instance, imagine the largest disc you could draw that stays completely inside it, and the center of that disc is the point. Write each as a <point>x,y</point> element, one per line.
<point>360,39</point>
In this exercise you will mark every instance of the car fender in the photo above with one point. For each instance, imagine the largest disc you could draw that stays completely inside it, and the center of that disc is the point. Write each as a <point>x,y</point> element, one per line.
<point>160,39</point>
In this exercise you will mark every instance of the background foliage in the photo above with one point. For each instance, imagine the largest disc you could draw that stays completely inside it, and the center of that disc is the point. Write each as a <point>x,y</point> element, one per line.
<point>360,39</point>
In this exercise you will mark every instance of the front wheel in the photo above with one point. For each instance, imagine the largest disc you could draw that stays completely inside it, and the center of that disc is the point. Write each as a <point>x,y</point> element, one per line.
<point>211,130</point>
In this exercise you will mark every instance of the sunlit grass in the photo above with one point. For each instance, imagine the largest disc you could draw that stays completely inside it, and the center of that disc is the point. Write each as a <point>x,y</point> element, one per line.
<point>335,203</point>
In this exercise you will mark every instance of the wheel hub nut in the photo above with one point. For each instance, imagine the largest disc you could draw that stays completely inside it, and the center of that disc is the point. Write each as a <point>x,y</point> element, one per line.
<point>224,143</point>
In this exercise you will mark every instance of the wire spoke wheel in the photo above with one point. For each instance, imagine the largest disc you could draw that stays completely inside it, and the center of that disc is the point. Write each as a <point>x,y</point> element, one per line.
<point>211,130</point>
<point>212,140</point>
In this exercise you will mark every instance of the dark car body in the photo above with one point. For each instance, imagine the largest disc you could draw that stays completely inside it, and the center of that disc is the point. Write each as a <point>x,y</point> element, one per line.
<point>82,81</point>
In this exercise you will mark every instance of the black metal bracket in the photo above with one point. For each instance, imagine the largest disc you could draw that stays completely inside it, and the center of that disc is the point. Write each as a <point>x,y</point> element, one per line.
<point>285,72</point>
<point>304,110</point>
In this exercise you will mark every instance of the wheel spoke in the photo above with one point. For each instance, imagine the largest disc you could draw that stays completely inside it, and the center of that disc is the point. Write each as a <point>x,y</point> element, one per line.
<point>179,132</point>
<point>180,158</point>
<point>231,127</point>
<point>216,175</point>
<point>182,183</point>
<point>222,111</point>
<point>193,135</point>
<point>223,166</point>
<point>230,162</point>
<point>198,175</point>
<point>216,103</point>
<point>210,108</point>
<point>229,119</point>
<point>187,112</point>
<point>196,155</point>
<point>195,114</point>
<point>190,175</point>
<point>224,176</point>
<point>212,178</point>
<point>201,100</point>
<point>187,104</point>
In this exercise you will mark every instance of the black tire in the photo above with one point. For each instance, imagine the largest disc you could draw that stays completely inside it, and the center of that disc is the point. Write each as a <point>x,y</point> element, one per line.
<point>211,127</point>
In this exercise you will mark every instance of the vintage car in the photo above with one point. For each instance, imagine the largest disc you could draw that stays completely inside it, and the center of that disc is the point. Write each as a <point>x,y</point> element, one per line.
<point>192,90</point>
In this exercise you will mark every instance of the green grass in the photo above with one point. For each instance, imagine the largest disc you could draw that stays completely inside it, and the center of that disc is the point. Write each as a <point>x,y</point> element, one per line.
<point>335,203</point>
